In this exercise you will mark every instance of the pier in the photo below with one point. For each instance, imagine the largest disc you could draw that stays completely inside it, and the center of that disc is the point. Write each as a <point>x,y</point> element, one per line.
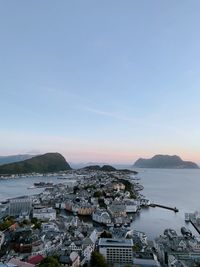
<point>164,207</point>
<point>196,226</point>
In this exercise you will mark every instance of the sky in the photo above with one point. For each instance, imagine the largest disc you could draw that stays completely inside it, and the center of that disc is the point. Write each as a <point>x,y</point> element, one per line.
<point>100,81</point>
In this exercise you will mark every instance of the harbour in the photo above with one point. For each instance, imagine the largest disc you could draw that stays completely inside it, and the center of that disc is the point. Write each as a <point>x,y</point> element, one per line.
<point>160,186</point>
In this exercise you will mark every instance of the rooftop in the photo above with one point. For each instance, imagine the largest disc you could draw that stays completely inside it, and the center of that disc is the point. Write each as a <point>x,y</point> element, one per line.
<point>110,242</point>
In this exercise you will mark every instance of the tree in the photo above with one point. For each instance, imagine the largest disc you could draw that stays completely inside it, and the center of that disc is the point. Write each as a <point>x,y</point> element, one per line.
<point>37,223</point>
<point>97,194</point>
<point>98,260</point>
<point>50,261</point>
<point>7,222</point>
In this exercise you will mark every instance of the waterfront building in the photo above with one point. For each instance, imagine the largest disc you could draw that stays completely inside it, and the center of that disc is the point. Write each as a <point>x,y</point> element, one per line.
<point>131,205</point>
<point>85,210</point>
<point>101,216</point>
<point>117,209</point>
<point>116,250</point>
<point>20,205</point>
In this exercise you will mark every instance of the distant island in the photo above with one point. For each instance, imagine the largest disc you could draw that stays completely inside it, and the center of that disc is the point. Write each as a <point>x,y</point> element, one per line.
<point>165,162</point>
<point>49,162</point>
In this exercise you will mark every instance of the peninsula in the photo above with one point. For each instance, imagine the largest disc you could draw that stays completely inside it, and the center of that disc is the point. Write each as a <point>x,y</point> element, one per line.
<point>165,162</point>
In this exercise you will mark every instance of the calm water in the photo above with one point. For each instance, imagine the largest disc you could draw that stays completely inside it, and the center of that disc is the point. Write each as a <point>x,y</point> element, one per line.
<point>180,188</point>
<point>18,187</point>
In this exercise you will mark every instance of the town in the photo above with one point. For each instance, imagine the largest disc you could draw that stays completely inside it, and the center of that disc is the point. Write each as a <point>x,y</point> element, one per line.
<point>87,219</point>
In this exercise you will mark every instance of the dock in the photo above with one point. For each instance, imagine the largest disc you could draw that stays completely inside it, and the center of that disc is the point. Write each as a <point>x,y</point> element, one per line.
<point>195,225</point>
<point>164,207</point>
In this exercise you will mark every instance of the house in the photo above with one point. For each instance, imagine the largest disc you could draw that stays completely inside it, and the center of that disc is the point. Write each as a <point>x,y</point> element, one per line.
<point>71,260</point>
<point>49,227</point>
<point>75,246</point>
<point>87,253</point>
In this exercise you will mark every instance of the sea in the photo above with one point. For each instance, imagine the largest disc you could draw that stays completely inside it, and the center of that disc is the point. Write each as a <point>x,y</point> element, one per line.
<point>176,188</point>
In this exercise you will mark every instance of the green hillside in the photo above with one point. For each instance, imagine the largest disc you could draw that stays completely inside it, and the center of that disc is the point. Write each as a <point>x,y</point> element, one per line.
<point>49,162</point>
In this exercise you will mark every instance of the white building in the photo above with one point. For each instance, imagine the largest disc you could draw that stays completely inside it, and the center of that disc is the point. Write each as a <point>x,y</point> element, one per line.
<point>87,253</point>
<point>131,205</point>
<point>116,250</point>
<point>20,205</point>
<point>44,214</point>
<point>101,216</point>
<point>49,227</point>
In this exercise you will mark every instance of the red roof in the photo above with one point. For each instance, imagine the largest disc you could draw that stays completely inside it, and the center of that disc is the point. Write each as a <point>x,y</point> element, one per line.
<point>35,259</point>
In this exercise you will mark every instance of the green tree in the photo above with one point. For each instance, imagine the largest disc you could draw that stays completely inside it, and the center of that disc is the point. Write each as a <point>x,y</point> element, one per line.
<point>98,194</point>
<point>50,261</point>
<point>37,223</point>
<point>136,247</point>
<point>7,222</point>
<point>98,260</point>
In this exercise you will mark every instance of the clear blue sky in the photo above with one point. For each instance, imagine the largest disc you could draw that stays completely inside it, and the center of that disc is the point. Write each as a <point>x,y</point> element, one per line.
<point>100,80</point>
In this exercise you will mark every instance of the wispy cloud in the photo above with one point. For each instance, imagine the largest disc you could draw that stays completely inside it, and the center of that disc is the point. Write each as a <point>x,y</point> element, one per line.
<point>108,114</point>
<point>154,121</point>
<point>66,93</point>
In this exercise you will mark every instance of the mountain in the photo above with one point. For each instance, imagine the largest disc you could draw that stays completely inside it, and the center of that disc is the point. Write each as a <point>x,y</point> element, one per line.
<point>14,158</point>
<point>165,161</point>
<point>49,162</point>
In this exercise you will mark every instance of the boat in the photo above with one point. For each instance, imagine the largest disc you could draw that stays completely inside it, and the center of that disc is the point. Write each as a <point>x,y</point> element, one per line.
<point>186,232</point>
<point>43,185</point>
<point>31,187</point>
<point>171,233</point>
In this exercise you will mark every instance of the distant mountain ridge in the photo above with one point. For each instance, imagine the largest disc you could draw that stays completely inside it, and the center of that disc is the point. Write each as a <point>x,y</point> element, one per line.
<point>14,158</point>
<point>165,162</point>
<point>49,162</point>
